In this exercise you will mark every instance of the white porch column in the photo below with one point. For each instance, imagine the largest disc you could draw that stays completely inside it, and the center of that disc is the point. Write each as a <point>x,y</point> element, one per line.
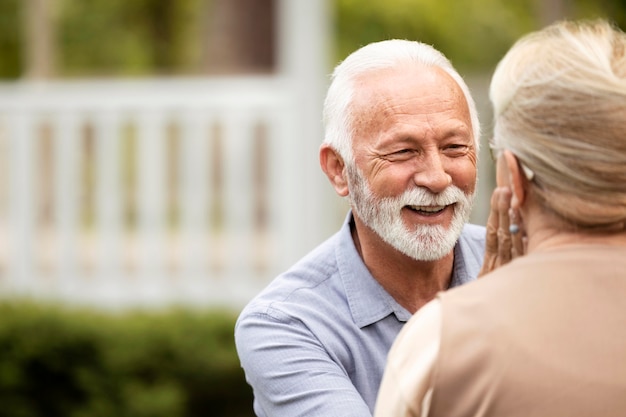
<point>303,58</point>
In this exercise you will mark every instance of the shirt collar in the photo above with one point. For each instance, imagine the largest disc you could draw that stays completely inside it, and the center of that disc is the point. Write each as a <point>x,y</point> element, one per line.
<point>368,300</point>
<point>468,257</point>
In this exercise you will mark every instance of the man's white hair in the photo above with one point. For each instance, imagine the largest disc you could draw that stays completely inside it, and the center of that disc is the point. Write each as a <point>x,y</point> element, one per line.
<point>338,118</point>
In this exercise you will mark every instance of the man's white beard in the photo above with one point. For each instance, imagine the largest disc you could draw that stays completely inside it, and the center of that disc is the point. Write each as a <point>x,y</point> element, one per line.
<point>425,242</point>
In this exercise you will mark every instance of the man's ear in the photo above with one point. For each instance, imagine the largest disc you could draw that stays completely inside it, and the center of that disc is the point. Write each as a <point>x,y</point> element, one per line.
<point>333,166</point>
<point>517,179</point>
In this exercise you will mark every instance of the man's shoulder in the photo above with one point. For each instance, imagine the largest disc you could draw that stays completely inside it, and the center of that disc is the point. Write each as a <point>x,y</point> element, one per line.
<point>309,282</point>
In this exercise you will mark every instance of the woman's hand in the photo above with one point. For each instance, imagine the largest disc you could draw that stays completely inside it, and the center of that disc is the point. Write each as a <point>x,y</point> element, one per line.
<point>501,246</point>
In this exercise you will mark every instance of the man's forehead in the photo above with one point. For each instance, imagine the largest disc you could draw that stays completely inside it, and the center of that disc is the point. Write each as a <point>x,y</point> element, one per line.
<point>380,93</point>
<point>374,87</point>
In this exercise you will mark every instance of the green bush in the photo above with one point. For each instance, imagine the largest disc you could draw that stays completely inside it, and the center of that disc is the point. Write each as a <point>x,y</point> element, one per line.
<point>65,362</point>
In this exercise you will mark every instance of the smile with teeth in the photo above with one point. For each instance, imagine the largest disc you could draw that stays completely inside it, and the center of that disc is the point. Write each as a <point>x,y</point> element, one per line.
<point>427,209</point>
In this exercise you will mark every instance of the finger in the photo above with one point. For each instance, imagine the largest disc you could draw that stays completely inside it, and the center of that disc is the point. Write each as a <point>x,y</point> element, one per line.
<point>492,241</point>
<point>504,247</point>
<point>491,237</point>
<point>504,206</point>
<point>493,219</point>
<point>487,267</point>
<point>504,234</point>
<point>517,240</point>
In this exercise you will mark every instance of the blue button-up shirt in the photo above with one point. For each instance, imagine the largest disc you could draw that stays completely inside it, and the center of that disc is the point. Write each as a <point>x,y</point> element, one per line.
<point>315,341</point>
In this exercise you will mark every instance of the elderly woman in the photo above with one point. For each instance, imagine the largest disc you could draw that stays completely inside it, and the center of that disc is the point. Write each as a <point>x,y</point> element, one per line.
<point>545,334</point>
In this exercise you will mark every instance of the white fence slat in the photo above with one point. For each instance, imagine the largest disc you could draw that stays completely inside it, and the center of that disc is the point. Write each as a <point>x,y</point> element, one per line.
<point>151,136</point>
<point>194,195</point>
<point>218,261</point>
<point>66,139</point>
<point>238,202</point>
<point>21,135</point>
<point>218,251</point>
<point>109,221</point>
<point>287,213</point>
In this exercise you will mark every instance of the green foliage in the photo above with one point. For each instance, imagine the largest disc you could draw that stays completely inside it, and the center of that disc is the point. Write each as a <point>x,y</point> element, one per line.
<point>119,37</point>
<point>77,363</point>
<point>10,39</point>
<point>162,37</point>
<point>474,34</point>
<point>613,10</point>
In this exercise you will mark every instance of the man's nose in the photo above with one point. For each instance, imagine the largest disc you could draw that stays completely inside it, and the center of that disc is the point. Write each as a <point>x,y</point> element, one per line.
<point>431,174</point>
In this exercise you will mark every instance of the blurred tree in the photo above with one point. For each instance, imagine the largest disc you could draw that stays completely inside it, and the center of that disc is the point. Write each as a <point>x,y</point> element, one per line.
<point>549,11</point>
<point>10,47</point>
<point>474,34</point>
<point>39,34</point>
<point>143,37</point>
<point>118,37</point>
<point>194,37</point>
<point>239,36</point>
<point>614,10</point>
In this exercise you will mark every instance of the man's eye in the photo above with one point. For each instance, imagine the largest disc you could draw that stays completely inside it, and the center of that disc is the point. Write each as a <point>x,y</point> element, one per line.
<point>456,149</point>
<point>399,155</point>
<point>403,153</point>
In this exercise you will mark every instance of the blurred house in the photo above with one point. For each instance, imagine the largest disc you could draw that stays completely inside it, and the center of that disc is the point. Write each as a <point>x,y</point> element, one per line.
<point>161,191</point>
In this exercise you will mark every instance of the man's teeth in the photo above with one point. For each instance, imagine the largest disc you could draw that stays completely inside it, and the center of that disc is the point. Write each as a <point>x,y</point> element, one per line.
<point>429,209</point>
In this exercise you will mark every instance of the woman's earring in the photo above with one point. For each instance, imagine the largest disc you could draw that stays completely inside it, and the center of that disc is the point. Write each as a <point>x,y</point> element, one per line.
<point>513,226</point>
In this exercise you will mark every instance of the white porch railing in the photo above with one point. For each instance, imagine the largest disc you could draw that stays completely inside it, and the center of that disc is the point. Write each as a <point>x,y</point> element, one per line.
<point>152,192</point>
<point>155,192</point>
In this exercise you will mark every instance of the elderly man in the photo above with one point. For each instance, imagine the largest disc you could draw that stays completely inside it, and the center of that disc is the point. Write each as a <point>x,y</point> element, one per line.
<point>401,144</point>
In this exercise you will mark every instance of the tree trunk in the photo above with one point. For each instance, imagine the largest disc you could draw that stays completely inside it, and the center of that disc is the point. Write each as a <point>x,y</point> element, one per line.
<point>549,11</point>
<point>39,39</point>
<point>239,36</point>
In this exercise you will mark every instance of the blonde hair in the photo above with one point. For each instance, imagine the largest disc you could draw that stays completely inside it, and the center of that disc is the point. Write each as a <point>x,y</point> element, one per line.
<point>559,99</point>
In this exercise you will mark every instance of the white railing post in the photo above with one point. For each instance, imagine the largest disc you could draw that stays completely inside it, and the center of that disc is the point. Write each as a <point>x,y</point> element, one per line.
<point>223,263</point>
<point>20,252</point>
<point>109,221</point>
<point>151,136</point>
<point>67,183</point>
<point>238,204</point>
<point>194,198</point>
<point>303,59</point>
<point>285,175</point>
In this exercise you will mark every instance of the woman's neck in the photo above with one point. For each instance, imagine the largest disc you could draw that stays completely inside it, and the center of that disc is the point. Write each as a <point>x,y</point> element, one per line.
<point>545,232</point>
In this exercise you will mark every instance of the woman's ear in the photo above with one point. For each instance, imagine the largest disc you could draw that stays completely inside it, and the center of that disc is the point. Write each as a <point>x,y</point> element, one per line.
<point>333,166</point>
<point>517,180</point>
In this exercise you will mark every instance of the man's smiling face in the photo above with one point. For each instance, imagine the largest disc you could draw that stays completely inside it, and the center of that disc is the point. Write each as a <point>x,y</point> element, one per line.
<point>414,171</point>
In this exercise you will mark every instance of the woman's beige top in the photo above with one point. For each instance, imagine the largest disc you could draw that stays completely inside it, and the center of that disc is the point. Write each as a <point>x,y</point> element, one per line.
<point>542,336</point>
